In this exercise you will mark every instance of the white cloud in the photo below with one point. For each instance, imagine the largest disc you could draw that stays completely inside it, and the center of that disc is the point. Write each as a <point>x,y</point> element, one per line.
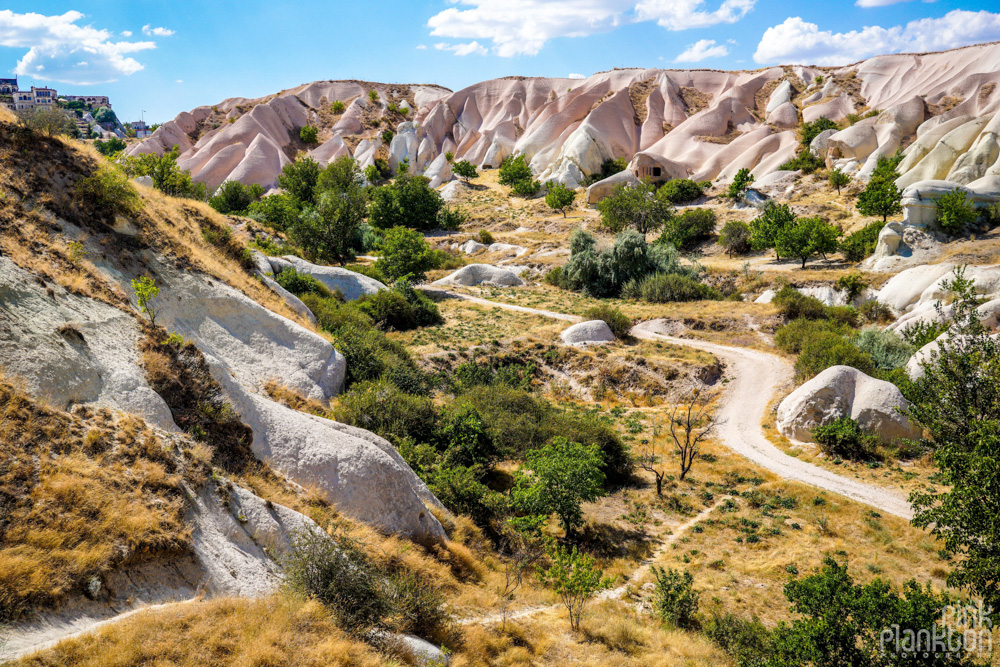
<point>700,50</point>
<point>58,47</point>
<point>522,27</point>
<point>879,3</point>
<point>463,49</point>
<point>421,47</point>
<point>576,76</point>
<point>156,32</point>
<point>796,40</point>
<point>126,33</point>
<point>180,80</point>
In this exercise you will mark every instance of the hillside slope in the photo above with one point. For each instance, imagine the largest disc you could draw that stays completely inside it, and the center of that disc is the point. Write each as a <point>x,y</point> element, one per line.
<point>700,124</point>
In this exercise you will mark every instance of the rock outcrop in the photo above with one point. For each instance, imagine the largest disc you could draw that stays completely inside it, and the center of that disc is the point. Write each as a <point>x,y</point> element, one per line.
<point>481,274</point>
<point>594,332</point>
<point>842,391</point>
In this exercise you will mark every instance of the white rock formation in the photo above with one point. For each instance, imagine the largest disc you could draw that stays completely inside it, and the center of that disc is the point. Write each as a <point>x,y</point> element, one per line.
<point>593,332</point>
<point>842,391</point>
<point>481,274</point>
<point>352,285</point>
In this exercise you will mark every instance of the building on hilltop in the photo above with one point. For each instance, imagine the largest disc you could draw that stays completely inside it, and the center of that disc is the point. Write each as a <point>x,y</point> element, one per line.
<point>24,100</point>
<point>141,129</point>
<point>93,100</point>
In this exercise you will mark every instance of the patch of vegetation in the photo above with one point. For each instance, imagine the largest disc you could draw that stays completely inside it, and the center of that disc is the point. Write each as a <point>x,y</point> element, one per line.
<point>844,438</point>
<point>881,197</point>
<point>679,191</point>
<point>234,198</point>
<point>858,245</point>
<point>408,201</point>
<point>735,237</point>
<point>741,183</point>
<point>688,229</point>
<point>619,323</point>
<point>634,206</point>
<point>955,211</point>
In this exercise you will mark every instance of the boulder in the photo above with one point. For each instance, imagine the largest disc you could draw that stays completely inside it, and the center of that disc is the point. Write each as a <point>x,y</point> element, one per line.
<point>471,247</point>
<point>842,391</point>
<point>481,274</point>
<point>602,189</point>
<point>821,143</point>
<point>352,285</point>
<point>594,332</point>
<point>439,171</point>
<point>452,189</point>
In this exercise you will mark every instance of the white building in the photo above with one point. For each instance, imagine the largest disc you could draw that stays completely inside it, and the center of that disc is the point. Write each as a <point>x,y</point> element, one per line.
<point>24,100</point>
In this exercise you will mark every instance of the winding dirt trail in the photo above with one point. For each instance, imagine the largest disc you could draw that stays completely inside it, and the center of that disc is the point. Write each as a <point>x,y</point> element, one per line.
<point>754,377</point>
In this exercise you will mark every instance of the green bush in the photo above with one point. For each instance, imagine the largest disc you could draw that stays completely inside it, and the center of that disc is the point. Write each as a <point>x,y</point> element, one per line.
<point>813,129</point>
<point>887,349</point>
<point>955,211</point>
<point>233,197</point>
<point>407,202</point>
<point>461,490</point>
<point>405,255</point>
<point>768,225</point>
<point>515,169</point>
<point>109,191</point>
<point>844,438</point>
<point>674,598</point>
<point>798,333</point>
<point>418,606</point>
<point>619,323</point>
<point>793,304</point>
<point>275,211</point>
<point>852,285</point>
<point>667,288</point>
<point>609,168</point>
<point>875,312</point>
<point>741,183</point>
<point>806,237</point>
<point>465,170</point>
<point>369,270</point>
<point>921,333</point>
<point>805,162</point>
<point>451,218</point>
<point>858,245</point>
<point>559,197</point>
<point>383,408</point>
<point>526,188</point>
<point>829,349</point>
<point>110,147</point>
<point>688,229</point>
<point>337,107</point>
<point>302,283</point>
<point>309,134</point>
<point>337,572</point>
<point>299,179</point>
<point>400,308</point>
<point>679,191</point>
<point>735,237</point>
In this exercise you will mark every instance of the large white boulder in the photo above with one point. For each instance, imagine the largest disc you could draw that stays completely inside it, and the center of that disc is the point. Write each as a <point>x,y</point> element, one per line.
<point>481,274</point>
<point>594,332</point>
<point>352,285</point>
<point>842,391</point>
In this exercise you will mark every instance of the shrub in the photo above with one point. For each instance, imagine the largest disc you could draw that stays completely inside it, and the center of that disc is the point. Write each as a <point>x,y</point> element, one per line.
<point>679,191</point>
<point>275,211</point>
<point>990,215</point>
<point>887,349</point>
<point>619,323</point>
<point>514,170</point>
<point>369,270</point>
<point>674,598</point>
<point>449,156</point>
<point>667,288</point>
<point>405,254</point>
<point>691,227</point>
<point>407,202</point>
<point>145,291</point>
<point>793,304</point>
<point>329,230</point>
<point>844,438</point>
<point>636,206</point>
<point>813,129</point>
<point>735,237</point>
<point>373,95</point>
<point>233,197</point>
<point>955,211</point>
<point>921,333</point>
<point>860,244</point>
<point>337,107</point>
<point>309,134</point>
<point>559,197</point>
<point>110,147</point>
<point>465,170</point>
<point>451,218</point>
<point>838,179</point>
<point>805,162</point>
<point>337,572</point>
<point>461,490</point>
<point>383,408</point>
<point>400,308</point>
<point>387,136</point>
<point>109,191</point>
<point>741,183</point>
<point>484,237</point>
<point>825,350</point>
<point>795,335</point>
<point>875,312</point>
<point>852,285</point>
<point>526,188</point>
<point>603,272</point>
<point>806,237</point>
<point>418,606</point>
<point>301,283</point>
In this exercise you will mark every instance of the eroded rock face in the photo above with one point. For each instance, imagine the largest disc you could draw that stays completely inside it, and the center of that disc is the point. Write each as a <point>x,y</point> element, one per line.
<point>594,332</point>
<point>842,391</point>
<point>481,274</point>
<point>350,284</point>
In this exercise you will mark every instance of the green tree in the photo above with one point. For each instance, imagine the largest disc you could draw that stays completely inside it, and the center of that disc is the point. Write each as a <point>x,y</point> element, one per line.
<point>233,197</point>
<point>405,254</point>
<point>387,136</point>
<point>526,188</point>
<point>373,95</point>
<point>636,206</point>
<point>341,175</point>
<point>741,183</point>
<point>852,285</point>
<point>299,179</point>
<point>805,238</point>
<point>679,191</point>
<point>276,211</point>
<point>110,147</point>
<point>765,228</point>
<point>515,169</point>
<point>881,197</point>
<point>735,237</point>
<point>465,169</point>
<point>838,179</point>
<point>328,230</point>
<point>811,130</point>
<point>309,134</point>
<point>955,211</point>
<point>957,401</point>
<point>409,201</point>
<point>575,578</point>
<point>557,478</point>
<point>559,197</point>
<point>145,291</point>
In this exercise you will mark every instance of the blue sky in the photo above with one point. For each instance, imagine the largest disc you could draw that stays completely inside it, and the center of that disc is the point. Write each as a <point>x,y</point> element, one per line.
<point>167,57</point>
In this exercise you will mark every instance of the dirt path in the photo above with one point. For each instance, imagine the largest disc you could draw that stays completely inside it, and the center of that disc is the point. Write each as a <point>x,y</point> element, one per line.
<point>612,593</point>
<point>754,377</point>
